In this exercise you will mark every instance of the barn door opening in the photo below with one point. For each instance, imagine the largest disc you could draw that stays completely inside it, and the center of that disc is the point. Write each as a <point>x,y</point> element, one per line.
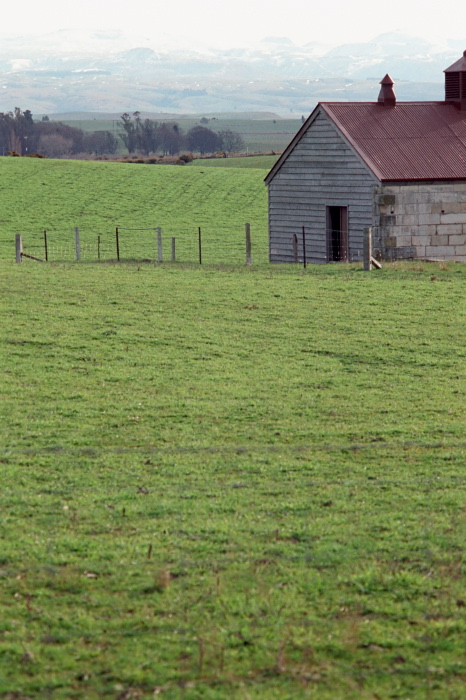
<point>337,234</point>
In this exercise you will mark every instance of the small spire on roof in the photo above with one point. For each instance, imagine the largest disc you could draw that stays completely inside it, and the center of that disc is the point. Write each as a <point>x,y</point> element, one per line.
<point>387,95</point>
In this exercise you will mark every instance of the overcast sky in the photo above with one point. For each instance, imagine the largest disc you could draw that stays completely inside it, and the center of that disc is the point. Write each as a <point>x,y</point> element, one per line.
<point>240,22</point>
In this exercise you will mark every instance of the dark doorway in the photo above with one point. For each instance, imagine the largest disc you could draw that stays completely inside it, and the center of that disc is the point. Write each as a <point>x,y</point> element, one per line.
<point>337,234</point>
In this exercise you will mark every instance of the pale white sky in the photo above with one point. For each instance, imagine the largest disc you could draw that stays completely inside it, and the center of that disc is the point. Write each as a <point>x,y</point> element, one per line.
<point>241,22</point>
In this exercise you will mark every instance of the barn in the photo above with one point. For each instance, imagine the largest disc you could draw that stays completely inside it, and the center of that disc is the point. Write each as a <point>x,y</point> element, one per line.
<point>398,168</point>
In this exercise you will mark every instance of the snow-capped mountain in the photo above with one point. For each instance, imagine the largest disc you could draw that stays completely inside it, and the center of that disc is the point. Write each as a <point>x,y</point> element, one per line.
<point>110,71</point>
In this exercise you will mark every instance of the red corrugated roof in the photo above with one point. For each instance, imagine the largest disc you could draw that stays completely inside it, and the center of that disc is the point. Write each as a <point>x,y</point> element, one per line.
<point>409,141</point>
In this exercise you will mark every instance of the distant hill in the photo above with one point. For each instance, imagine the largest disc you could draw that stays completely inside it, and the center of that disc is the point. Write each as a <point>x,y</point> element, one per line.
<point>109,72</point>
<point>76,116</point>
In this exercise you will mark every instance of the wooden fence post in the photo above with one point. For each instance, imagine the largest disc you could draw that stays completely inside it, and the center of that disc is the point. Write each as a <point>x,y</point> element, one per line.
<point>19,248</point>
<point>367,249</point>
<point>77,243</point>
<point>304,248</point>
<point>295,248</point>
<point>248,244</point>
<point>173,249</point>
<point>98,247</point>
<point>159,245</point>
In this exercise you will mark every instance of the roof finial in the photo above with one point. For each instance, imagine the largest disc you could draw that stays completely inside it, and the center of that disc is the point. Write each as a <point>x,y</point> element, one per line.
<point>387,95</point>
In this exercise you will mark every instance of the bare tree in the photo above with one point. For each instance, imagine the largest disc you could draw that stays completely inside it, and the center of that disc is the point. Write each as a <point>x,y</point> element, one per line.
<point>171,138</point>
<point>99,142</point>
<point>232,141</point>
<point>70,133</point>
<point>149,137</point>
<point>55,145</point>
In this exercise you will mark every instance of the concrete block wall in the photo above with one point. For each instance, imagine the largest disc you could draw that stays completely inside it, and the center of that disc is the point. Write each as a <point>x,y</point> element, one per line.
<point>425,220</point>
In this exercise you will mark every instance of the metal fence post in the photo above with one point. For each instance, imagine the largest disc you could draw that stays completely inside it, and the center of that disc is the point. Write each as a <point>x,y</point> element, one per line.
<point>173,249</point>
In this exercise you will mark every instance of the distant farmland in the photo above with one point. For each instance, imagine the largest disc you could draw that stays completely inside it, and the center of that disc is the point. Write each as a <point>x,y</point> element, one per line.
<point>259,135</point>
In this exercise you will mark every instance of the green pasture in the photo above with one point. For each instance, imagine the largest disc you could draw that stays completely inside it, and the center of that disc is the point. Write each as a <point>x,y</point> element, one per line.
<point>228,482</point>
<point>59,195</point>
<point>265,162</point>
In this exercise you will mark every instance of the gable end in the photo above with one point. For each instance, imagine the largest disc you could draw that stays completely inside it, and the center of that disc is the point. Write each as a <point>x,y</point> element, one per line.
<point>291,145</point>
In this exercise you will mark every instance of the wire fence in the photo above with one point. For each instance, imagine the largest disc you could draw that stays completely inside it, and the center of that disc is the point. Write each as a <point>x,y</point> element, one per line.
<point>236,245</point>
<point>197,244</point>
<point>330,246</point>
<point>390,243</point>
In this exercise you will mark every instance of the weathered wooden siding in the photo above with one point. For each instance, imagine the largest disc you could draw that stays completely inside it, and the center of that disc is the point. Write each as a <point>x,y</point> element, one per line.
<point>321,171</point>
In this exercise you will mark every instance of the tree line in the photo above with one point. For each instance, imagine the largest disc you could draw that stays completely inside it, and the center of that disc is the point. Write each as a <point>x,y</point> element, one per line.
<point>150,136</point>
<point>21,135</point>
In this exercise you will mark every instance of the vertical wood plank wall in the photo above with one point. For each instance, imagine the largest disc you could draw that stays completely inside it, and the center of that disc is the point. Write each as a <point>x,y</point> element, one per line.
<point>321,171</point>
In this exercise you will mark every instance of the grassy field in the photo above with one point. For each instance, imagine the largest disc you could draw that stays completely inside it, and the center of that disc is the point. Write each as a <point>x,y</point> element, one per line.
<point>222,481</point>
<point>228,482</point>
<point>58,195</point>
<point>262,162</point>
